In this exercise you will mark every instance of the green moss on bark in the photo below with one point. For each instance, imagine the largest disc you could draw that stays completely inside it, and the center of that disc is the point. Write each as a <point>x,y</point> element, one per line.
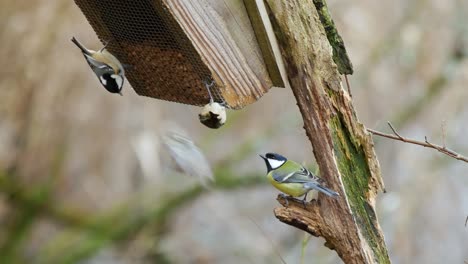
<point>356,175</point>
<point>340,55</point>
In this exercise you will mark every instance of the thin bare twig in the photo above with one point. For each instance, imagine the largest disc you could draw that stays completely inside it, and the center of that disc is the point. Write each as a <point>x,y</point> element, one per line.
<point>275,249</point>
<point>444,133</point>
<point>466,221</point>
<point>394,131</point>
<point>349,86</point>
<point>424,143</point>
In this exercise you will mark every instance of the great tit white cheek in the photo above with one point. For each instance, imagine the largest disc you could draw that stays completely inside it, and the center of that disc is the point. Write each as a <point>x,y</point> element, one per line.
<point>275,163</point>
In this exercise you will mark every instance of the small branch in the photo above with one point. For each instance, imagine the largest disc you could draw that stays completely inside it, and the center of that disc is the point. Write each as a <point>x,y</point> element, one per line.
<point>444,133</point>
<point>265,234</point>
<point>349,86</point>
<point>394,131</point>
<point>424,143</point>
<point>466,221</point>
<point>307,219</point>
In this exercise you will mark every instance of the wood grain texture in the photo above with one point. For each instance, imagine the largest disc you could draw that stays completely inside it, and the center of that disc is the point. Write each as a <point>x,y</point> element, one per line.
<point>221,33</point>
<point>267,42</point>
<point>342,147</point>
<point>175,46</point>
<point>142,34</point>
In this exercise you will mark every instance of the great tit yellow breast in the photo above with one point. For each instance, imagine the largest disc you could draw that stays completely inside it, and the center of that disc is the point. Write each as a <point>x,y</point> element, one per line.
<point>293,189</point>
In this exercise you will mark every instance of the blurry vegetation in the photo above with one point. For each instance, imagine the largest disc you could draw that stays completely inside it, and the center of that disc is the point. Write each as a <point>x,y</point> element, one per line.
<point>119,224</point>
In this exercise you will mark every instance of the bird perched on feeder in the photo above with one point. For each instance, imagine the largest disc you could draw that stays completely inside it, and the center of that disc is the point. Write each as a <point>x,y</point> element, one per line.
<point>213,114</point>
<point>106,66</point>
<point>292,178</point>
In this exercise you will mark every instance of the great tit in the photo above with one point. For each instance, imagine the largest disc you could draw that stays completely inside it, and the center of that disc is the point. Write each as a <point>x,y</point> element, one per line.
<point>292,178</point>
<point>106,66</point>
<point>213,114</point>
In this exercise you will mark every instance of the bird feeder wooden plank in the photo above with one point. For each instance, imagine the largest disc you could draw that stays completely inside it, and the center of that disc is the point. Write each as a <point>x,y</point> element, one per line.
<point>267,42</point>
<point>173,46</point>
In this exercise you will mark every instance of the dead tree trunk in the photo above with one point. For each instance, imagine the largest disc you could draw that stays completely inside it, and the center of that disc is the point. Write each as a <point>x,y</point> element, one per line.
<point>342,147</point>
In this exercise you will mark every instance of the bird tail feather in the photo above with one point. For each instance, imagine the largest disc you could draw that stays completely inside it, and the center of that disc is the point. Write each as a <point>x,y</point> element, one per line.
<point>79,45</point>
<point>320,188</point>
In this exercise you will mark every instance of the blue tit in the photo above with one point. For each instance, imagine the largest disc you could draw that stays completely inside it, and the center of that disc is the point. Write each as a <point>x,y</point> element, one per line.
<point>213,114</point>
<point>292,178</point>
<point>106,66</point>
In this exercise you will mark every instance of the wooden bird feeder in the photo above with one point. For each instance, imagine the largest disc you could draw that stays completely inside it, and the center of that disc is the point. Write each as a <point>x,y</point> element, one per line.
<point>175,46</point>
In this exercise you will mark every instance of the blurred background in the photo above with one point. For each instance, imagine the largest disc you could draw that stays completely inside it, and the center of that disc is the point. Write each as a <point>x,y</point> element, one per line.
<point>84,176</point>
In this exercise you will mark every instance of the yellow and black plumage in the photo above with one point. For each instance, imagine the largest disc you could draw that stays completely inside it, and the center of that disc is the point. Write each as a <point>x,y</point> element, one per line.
<point>292,178</point>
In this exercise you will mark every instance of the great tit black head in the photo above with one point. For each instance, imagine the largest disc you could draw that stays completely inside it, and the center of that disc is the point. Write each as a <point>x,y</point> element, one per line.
<point>273,160</point>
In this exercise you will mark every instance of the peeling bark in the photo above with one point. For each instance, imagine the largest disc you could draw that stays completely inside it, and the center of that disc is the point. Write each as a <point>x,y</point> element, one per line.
<point>342,147</point>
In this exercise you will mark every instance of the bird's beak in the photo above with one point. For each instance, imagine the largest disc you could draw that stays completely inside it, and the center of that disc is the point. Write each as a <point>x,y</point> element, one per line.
<point>120,93</point>
<point>262,157</point>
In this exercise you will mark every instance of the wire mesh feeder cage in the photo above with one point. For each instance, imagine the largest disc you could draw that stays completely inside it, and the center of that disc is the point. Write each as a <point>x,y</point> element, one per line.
<point>175,46</point>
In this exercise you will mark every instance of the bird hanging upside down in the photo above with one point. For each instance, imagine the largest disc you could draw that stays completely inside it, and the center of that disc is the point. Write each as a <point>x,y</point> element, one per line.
<point>107,67</point>
<point>213,114</point>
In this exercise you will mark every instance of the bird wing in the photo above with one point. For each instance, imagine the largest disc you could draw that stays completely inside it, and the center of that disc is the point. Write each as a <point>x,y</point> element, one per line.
<point>97,65</point>
<point>298,174</point>
<point>320,188</point>
<point>293,172</point>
